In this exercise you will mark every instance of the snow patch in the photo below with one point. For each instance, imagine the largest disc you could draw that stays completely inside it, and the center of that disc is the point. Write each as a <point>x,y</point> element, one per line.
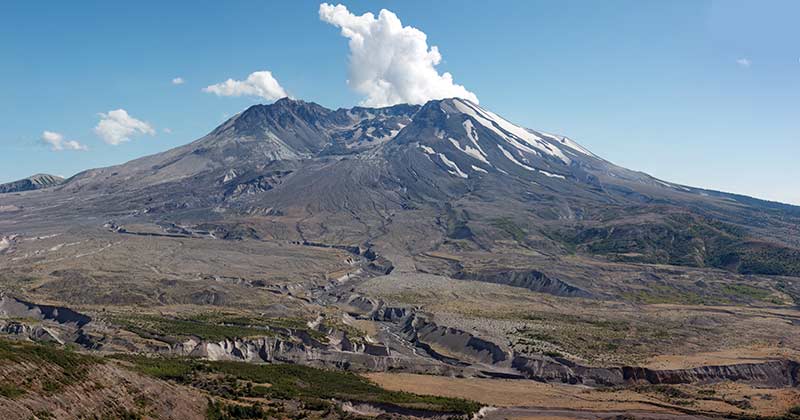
<point>511,157</point>
<point>566,141</point>
<point>455,169</point>
<point>490,119</point>
<point>476,153</point>
<point>479,169</point>
<point>427,149</point>
<point>551,175</point>
<point>472,134</point>
<point>674,186</point>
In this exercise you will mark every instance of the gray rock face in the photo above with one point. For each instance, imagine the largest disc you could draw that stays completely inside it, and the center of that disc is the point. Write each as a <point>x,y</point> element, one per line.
<point>11,307</point>
<point>527,279</point>
<point>463,349</point>
<point>43,323</point>
<point>778,373</point>
<point>37,333</point>
<point>452,345</point>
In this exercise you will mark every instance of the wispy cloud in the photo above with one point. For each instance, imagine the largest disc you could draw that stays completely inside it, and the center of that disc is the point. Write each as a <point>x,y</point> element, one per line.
<point>57,142</point>
<point>117,126</point>
<point>261,84</point>
<point>391,63</point>
<point>178,81</point>
<point>744,62</point>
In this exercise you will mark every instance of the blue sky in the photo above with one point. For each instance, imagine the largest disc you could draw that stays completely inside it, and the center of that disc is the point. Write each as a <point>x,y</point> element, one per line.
<point>703,93</point>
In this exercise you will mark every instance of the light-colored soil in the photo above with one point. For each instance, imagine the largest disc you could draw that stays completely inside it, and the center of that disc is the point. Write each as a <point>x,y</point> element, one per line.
<point>522,393</point>
<point>513,393</point>
<point>599,332</point>
<point>100,269</point>
<point>746,354</point>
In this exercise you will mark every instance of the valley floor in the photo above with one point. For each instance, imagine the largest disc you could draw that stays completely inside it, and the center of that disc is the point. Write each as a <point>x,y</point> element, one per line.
<point>219,320</point>
<point>530,399</point>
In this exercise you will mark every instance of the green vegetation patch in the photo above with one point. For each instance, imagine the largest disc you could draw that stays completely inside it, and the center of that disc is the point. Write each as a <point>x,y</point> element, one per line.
<point>745,291</point>
<point>711,294</point>
<point>598,340</point>
<point>11,391</point>
<point>510,228</point>
<point>63,366</point>
<point>760,258</point>
<point>215,326</point>
<point>288,382</point>
<point>153,325</point>
<point>218,410</point>
<point>682,239</point>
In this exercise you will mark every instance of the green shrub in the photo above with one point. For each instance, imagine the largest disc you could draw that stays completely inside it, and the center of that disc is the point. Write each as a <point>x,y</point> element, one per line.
<point>289,382</point>
<point>11,391</point>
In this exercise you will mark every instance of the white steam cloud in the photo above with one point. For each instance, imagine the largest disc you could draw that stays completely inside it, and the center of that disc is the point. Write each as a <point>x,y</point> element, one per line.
<point>391,63</point>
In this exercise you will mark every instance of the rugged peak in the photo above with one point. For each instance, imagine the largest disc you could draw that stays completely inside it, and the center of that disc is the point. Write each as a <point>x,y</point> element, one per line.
<point>287,100</point>
<point>297,105</point>
<point>284,106</point>
<point>258,121</point>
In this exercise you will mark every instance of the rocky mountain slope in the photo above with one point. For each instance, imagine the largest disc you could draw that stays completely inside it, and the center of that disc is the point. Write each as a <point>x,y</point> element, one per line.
<point>34,182</point>
<point>438,239</point>
<point>361,175</point>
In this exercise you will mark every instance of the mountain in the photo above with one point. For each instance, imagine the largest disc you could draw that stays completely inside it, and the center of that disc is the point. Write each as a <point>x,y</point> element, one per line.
<point>370,176</point>
<point>439,239</point>
<point>34,182</point>
<point>446,188</point>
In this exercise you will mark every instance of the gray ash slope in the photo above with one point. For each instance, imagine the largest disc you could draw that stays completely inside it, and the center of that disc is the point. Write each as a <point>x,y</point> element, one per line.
<point>35,182</point>
<point>415,178</point>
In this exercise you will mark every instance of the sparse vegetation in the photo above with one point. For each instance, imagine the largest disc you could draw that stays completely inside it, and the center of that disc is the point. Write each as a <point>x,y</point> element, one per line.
<point>65,367</point>
<point>510,228</point>
<point>600,340</point>
<point>10,391</point>
<point>715,294</point>
<point>218,410</point>
<point>212,326</point>
<point>153,325</point>
<point>744,291</point>
<point>287,382</point>
<point>683,239</point>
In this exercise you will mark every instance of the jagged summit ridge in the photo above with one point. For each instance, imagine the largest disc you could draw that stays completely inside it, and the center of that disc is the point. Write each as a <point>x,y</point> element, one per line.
<point>298,154</point>
<point>444,141</point>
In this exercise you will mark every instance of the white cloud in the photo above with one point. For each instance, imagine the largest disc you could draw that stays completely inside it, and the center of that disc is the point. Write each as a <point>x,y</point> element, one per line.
<point>260,83</point>
<point>57,143</point>
<point>391,63</point>
<point>744,62</point>
<point>167,130</point>
<point>178,81</point>
<point>117,127</point>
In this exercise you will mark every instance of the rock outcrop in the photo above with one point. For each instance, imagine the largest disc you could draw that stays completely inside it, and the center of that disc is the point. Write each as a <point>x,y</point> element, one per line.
<point>528,279</point>
<point>11,307</point>
<point>776,373</point>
